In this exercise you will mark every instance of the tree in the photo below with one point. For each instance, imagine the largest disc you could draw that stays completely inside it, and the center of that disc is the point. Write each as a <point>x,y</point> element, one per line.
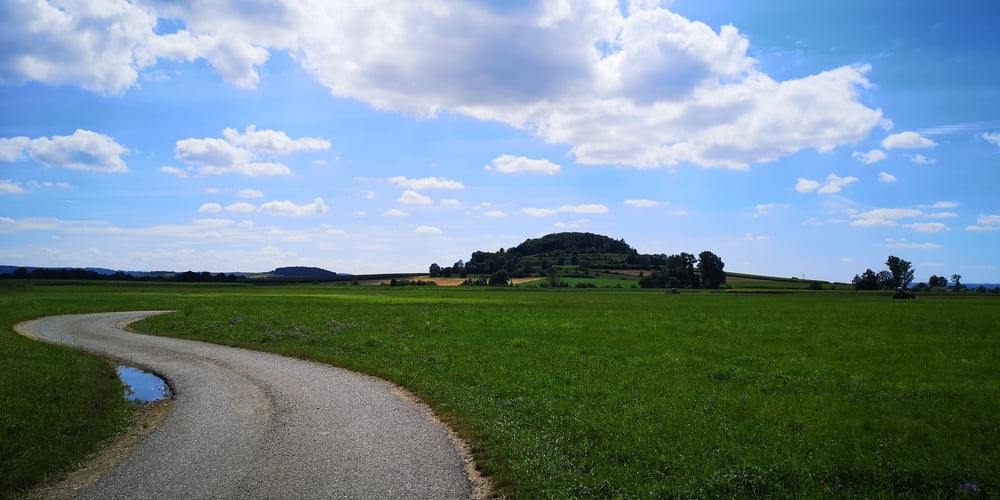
<point>957,280</point>
<point>710,266</point>
<point>937,281</point>
<point>867,281</point>
<point>499,278</point>
<point>435,270</point>
<point>902,272</point>
<point>679,271</point>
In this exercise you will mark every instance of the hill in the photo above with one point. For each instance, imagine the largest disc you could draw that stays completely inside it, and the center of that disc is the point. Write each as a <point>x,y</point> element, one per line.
<point>302,272</point>
<point>535,256</point>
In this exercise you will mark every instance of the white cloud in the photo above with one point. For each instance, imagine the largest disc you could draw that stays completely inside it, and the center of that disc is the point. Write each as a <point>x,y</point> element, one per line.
<point>210,208</point>
<point>882,217</point>
<point>886,177</point>
<point>426,183</point>
<point>240,153</point>
<point>427,230</point>
<point>806,185</point>
<point>893,243</point>
<point>9,187</point>
<point>241,207</point>
<point>907,140</point>
<point>495,213</point>
<point>414,198</point>
<point>993,139</point>
<point>395,213</point>
<point>508,164</point>
<point>989,219</point>
<point>927,227</point>
<point>982,228</point>
<point>250,193</point>
<point>592,208</point>
<point>941,215</point>
<point>272,141</point>
<point>539,212</point>
<point>181,173</point>
<point>758,237</point>
<point>834,184</point>
<point>643,203</point>
<point>317,207</point>
<point>873,156</point>
<point>12,148</point>
<point>921,159</point>
<point>84,150</point>
<point>643,87</point>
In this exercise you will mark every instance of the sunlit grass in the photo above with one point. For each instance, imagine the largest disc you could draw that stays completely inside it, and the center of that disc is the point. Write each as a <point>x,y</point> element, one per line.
<point>622,393</point>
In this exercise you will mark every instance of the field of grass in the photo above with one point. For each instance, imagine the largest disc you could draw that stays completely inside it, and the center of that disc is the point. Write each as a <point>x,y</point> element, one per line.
<point>627,394</point>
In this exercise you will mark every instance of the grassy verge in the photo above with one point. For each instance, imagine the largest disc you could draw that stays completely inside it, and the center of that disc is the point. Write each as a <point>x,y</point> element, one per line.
<point>629,394</point>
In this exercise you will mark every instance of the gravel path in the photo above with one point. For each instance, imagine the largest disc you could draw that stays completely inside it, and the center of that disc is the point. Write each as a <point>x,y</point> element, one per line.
<point>247,424</point>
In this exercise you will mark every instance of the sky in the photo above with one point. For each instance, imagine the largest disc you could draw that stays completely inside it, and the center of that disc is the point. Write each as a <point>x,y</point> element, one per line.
<point>807,139</point>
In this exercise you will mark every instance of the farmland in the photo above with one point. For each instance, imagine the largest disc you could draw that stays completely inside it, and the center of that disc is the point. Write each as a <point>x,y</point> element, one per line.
<point>631,393</point>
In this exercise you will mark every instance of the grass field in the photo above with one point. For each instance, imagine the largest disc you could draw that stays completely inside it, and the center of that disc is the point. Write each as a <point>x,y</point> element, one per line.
<point>638,394</point>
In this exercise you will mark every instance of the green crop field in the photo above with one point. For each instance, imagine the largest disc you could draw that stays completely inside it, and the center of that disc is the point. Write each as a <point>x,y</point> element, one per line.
<point>626,393</point>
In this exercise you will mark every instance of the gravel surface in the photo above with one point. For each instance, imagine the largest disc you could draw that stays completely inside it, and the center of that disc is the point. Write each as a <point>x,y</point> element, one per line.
<point>247,424</point>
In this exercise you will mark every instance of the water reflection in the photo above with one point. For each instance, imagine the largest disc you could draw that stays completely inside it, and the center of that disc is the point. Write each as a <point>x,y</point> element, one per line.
<point>142,386</point>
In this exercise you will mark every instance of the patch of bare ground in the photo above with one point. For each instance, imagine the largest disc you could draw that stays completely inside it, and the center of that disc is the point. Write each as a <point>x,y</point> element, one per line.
<point>146,418</point>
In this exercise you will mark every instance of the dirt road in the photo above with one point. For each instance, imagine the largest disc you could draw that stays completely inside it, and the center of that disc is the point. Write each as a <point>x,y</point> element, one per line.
<point>247,424</point>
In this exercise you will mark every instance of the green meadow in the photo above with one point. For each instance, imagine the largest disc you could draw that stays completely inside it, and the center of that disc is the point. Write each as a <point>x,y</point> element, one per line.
<point>596,393</point>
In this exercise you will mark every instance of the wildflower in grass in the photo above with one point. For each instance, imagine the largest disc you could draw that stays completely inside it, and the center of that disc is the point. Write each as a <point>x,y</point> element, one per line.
<point>969,488</point>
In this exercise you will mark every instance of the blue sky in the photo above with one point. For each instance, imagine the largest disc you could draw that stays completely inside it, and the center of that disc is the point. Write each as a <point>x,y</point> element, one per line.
<point>790,138</point>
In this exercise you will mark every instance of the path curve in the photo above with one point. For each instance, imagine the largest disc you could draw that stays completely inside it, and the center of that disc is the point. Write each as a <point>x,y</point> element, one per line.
<point>247,424</point>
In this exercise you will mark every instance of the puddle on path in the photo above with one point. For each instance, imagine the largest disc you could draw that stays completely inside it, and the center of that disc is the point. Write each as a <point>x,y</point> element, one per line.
<point>142,386</point>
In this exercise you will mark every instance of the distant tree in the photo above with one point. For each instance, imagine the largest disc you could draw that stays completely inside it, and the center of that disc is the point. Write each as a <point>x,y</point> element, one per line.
<point>957,280</point>
<point>679,271</point>
<point>902,272</point>
<point>710,266</point>
<point>500,278</point>
<point>868,280</point>
<point>435,270</point>
<point>937,281</point>
<point>885,281</point>
<point>20,273</point>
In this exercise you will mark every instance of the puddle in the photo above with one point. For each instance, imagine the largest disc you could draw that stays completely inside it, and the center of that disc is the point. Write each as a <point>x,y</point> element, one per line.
<point>142,386</point>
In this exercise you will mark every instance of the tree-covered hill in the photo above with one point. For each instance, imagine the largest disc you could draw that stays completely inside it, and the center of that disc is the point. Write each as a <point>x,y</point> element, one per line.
<point>536,256</point>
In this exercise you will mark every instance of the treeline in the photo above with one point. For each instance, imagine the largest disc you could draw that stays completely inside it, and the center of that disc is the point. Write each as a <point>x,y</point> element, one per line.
<point>684,270</point>
<point>88,275</point>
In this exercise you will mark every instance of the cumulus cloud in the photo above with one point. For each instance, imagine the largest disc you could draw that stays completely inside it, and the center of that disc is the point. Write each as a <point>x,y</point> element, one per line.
<point>241,207</point>
<point>250,193</point>
<point>592,208</point>
<point>426,183</point>
<point>907,140</point>
<point>317,207</point>
<point>508,164</point>
<point>9,187</point>
<point>992,138</point>
<point>84,150</point>
<point>642,203</point>
<point>886,177</point>
<point>495,213</point>
<point>764,209</point>
<point>921,159</point>
<point>639,86</point>
<point>210,208</point>
<point>395,212</point>
<point>986,223</point>
<point>927,227</point>
<point>902,243</point>
<point>807,185</point>
<point>833,184</point>
<point>882,217</point>
<point>873,156</point>
<point>414,198</point>
<point>240,153</point>
<point>272,141</point>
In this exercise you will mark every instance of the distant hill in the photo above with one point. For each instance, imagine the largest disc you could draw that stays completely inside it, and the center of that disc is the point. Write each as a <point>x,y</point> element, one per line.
<point>303,272</point>
<point>535,256</point>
